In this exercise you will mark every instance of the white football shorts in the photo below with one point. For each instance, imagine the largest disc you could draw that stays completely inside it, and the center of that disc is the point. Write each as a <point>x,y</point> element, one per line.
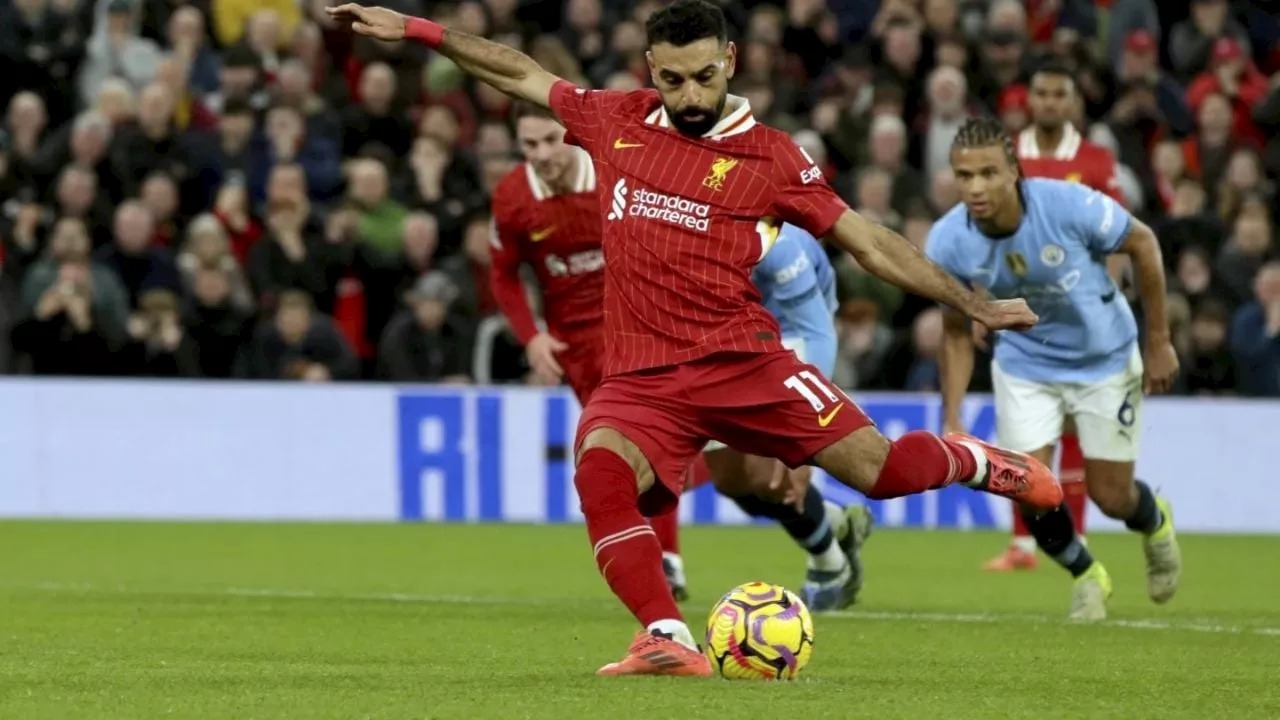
<point>1108,413</point>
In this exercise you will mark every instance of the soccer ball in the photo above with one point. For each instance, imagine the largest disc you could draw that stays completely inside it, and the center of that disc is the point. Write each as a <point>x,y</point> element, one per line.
<point>759,631</point>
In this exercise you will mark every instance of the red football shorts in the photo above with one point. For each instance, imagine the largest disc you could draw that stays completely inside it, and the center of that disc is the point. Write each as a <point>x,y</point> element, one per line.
<point>764,404</point>
<point>582,363</point>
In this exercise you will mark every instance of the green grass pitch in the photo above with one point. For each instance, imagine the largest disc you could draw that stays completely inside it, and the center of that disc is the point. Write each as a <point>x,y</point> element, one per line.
<point>249,622</point>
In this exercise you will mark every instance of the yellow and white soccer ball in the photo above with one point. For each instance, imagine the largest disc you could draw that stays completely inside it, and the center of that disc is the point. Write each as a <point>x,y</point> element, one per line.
<point>759,631</point>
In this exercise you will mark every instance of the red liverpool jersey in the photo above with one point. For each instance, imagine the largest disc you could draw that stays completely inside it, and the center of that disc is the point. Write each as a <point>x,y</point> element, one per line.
<point>1075,160</point>
<point>559,236</point>
<point>685,221</point>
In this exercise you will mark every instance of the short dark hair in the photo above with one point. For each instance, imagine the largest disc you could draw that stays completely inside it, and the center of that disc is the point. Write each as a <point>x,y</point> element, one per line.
<point>289,108</point>
<point>1213,311</point>
<point>685,22</point>
<point>378,151</point>
<point>237,106</point>
<point>886,92</point>
<point>1055,69</point>
<point>478,214</point>
<point>295,299</point>
<point>524,108</point>
<point>241,56</point>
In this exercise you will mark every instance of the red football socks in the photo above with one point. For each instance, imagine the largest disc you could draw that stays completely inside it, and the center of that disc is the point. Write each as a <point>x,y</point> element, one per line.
<point>625,547</point>
<point>1020,529</point>
<point>920,461</point>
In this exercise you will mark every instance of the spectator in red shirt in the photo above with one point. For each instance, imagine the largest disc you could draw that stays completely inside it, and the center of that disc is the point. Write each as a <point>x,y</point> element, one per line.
<point>1012,108</point>
<point>1231,74</point>
<point>1208,151</point>
<point>1140,66</point>
<point>231,208</point>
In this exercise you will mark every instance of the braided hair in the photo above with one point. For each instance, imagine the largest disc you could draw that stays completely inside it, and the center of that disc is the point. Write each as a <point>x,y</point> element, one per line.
<point>981,132</point>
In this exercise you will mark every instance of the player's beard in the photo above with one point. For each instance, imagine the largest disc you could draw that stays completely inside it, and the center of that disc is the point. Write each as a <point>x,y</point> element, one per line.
<point>1051,125</point>
<point>702,120</point>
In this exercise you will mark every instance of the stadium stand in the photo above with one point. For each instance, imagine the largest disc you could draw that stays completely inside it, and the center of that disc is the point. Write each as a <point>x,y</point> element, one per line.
<point>223,189</point>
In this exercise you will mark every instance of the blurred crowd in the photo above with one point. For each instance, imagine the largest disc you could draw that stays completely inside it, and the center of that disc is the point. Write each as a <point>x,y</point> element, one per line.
<point>234,188</point>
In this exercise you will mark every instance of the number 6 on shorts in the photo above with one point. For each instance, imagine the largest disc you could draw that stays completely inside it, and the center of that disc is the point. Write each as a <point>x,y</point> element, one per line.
<point>1127,414</point>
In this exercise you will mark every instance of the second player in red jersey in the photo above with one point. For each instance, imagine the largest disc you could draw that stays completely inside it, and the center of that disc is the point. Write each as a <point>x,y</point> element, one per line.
<point>1051,147</point>
<point>546,216</point>
<point>693,191</point>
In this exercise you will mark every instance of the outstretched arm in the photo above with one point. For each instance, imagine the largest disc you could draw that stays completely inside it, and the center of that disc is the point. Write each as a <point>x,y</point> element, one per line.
<point>803,198</point>
<point>891,257</point>
<point>508,70</point>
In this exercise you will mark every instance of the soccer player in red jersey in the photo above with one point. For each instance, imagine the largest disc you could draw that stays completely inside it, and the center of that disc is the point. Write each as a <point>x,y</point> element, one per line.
<point>693,190</point>
<point>1051,147</point>
<point>547,216</point>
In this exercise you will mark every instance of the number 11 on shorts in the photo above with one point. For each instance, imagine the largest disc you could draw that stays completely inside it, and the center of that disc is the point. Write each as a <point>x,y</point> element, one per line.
<point>826,398</point>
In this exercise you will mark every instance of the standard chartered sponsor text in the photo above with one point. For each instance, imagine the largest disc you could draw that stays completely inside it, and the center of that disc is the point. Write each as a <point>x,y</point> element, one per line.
<point>671,209</point>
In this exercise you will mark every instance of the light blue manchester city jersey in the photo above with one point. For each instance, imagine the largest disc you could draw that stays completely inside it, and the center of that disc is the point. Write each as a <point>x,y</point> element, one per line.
<point>799,288</point>
<point>1056,261</point>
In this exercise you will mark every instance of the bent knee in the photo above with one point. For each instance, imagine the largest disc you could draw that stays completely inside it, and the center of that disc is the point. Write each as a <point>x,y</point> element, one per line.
<point>612,441</point>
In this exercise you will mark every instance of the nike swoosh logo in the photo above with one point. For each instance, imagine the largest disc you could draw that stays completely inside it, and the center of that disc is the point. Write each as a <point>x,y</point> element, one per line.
<point>619,145</point>
<point>825,420</point>
<point>540,235</point>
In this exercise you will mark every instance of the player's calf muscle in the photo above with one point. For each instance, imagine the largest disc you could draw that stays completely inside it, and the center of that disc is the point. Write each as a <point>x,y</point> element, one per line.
<point>1044,454</point>
<point>607,438</point>
<point>856,459</point>
<point>728,470</point>
<point>1111,487</point>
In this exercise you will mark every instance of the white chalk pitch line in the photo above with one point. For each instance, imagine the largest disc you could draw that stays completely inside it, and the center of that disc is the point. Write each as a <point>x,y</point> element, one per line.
<point>858,615</point>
